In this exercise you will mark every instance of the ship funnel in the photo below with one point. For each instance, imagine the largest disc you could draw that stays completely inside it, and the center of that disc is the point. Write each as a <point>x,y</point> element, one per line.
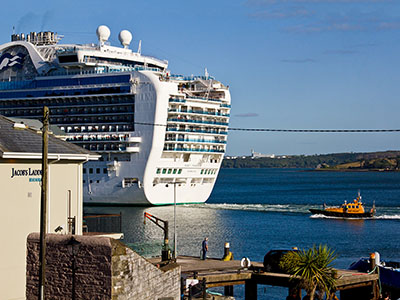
<point>103,33</point>
<point>125,37</point>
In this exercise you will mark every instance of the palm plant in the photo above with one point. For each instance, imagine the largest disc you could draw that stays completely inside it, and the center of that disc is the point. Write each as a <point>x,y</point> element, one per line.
<point>312,266</point>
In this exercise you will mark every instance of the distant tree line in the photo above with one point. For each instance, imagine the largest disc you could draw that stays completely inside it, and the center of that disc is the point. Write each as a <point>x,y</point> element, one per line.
<point>373,160</point>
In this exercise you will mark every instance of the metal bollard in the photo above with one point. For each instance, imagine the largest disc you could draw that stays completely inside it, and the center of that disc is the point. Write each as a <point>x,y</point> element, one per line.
<point>226,249</point>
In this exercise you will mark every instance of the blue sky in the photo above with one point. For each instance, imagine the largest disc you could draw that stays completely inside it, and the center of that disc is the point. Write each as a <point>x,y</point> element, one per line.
<point>290,64</point>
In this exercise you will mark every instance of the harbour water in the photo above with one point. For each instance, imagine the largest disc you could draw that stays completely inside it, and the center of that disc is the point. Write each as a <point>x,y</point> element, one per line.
<point>261,209</point>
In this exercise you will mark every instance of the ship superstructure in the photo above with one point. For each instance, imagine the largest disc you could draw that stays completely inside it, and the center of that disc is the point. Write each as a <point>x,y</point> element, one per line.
<point>162,137</point>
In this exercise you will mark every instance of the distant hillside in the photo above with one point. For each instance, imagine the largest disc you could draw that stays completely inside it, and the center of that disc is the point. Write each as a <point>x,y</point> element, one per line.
<point>388,160</point>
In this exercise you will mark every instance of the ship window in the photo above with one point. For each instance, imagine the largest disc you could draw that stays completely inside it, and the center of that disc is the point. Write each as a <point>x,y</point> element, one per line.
<point>158,171</point>
<point>174,172</point>
<point>98,171</point>
<point>164,171</point>
<point>91,181</point>
<point>179,171</point>
<point>129,182</point>
<point>84,170</point>
<point>91,171</point>
<point>84,181</point>
<point>357,206</point>
<point>169,171</point>
<point>68,58</point>
<point>201,172</point>
<point>105,170</point>
<point>97,181</point>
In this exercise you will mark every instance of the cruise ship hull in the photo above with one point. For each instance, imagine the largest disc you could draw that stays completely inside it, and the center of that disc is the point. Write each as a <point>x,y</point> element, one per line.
<point>161,137</point>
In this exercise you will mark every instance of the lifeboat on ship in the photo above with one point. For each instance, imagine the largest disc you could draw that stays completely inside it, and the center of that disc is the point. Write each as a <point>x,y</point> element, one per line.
<point>351,210</point>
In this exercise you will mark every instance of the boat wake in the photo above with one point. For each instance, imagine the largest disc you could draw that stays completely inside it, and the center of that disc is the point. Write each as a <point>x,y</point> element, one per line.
<point>383,213</point>
<point>280,208</point>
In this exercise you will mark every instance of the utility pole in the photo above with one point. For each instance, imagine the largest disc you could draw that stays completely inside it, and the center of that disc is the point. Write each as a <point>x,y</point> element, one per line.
<point>43,204</point>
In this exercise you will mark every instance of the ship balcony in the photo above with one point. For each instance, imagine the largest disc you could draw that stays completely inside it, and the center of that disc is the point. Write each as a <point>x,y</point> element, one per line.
<point>134,139</point>
<point>132,149</point>
<point>204,99</point>
<point>200,150</point>
<point>175,120</point>
<point>201,141</point>
<point>99,138</point>
<point>177,100</point>
<point>226,105</point>
<point>196,112</point>
<point>212,132</point>
<point>196,98</point>
<point>104,147</point>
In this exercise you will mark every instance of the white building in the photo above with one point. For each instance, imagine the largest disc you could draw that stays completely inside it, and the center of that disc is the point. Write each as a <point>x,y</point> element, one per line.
<point>20,190</point>
<point>259,155</point>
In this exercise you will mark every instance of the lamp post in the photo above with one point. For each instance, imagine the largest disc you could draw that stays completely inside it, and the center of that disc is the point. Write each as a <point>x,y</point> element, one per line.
<point>73,248</point>
<point>174,183</point>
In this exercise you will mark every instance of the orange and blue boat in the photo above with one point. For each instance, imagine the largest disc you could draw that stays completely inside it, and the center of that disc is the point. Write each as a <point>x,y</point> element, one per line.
<point>354,209</point>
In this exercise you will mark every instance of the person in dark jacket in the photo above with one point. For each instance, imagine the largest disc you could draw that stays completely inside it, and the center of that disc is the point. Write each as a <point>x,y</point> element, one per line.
<point>204,248</point>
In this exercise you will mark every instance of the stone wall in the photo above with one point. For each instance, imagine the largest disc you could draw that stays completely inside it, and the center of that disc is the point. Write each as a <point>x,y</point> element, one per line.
<point>136,278</point>
<point>105,269</point>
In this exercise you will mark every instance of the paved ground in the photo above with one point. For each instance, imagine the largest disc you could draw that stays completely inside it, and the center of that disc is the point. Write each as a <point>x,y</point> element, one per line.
<point>194,264</point>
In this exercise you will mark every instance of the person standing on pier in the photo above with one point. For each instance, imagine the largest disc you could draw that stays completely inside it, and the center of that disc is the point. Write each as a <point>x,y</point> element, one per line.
<point>204,248</point>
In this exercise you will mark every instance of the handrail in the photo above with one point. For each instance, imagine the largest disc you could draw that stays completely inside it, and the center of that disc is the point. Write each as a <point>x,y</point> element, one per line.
<point>199,112</point>
<point>195,150</point>
<point>197,131</point>
<point>196,141</point>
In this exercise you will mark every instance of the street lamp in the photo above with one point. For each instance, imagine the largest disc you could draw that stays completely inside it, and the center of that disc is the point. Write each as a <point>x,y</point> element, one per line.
<point>73,248</point>
<point>174,183</point>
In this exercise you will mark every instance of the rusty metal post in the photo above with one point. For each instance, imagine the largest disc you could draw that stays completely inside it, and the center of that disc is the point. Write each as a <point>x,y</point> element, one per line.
<point>372,263</point>
<point>374,268</point>
<point>204,288</point>
<point>190,292</point>
<point>43,204</point>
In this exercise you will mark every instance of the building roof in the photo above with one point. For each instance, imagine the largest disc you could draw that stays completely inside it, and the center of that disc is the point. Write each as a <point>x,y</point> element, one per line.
<point>37,125</point>
<point>19,141</point>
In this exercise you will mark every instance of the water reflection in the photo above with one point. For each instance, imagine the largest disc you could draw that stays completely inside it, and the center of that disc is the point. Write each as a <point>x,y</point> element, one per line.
<point>192,225</point>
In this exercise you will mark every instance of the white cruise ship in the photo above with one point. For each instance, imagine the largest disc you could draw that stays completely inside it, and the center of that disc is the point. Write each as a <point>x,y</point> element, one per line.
<point>162,137</point>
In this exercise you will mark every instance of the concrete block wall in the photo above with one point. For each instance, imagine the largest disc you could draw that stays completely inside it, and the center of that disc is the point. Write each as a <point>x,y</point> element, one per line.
<point>105,269</point>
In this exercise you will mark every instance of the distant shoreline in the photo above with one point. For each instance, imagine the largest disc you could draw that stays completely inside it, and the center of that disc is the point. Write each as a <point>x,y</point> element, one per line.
<point>314,169</point>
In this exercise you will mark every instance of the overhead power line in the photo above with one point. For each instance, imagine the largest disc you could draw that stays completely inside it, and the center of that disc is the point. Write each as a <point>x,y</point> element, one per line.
<point>294,130</point>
